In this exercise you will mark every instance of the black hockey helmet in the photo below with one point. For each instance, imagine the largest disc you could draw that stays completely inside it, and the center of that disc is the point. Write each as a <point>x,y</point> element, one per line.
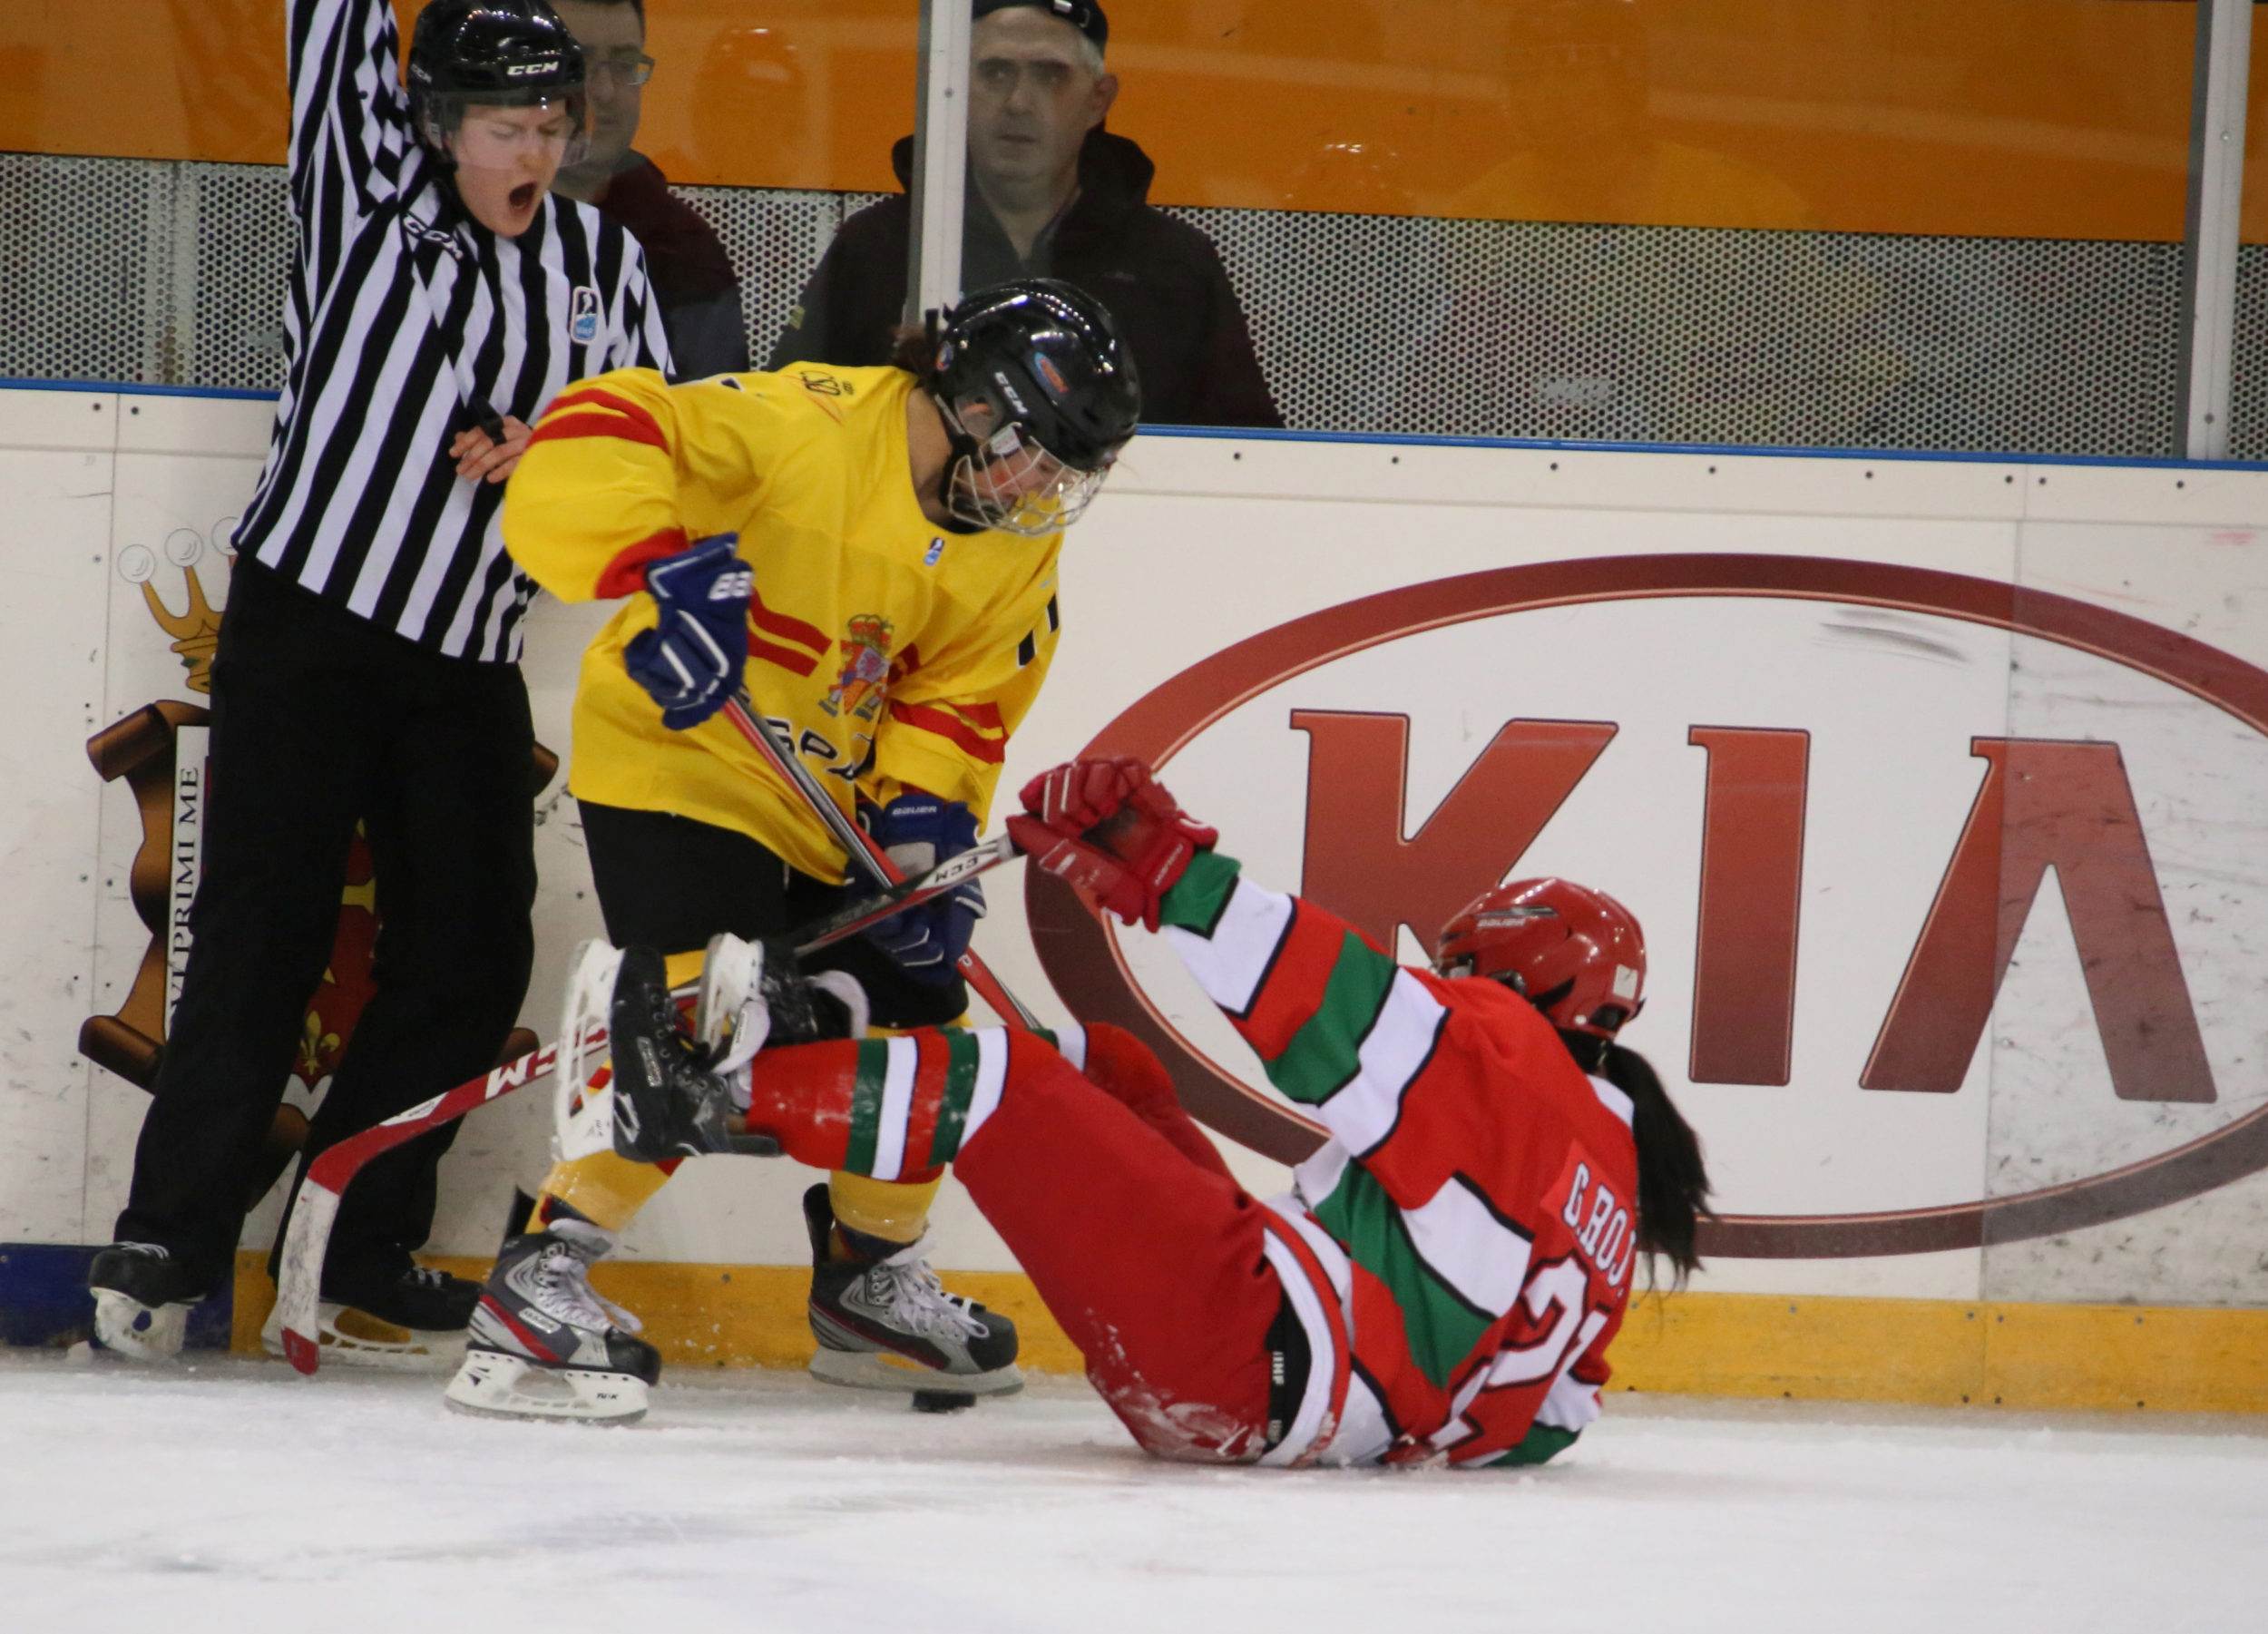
<point>498,53</point>
<point>1039,394</point>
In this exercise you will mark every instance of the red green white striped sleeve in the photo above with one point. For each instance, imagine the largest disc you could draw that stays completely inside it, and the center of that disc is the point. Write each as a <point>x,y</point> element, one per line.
<point>1340,1028</point>
<point>1412,1181</point>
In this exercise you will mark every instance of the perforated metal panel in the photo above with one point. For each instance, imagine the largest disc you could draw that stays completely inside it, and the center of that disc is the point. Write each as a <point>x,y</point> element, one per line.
<point>775,238</point>
<point>2248,405</point>
<point>121,270</point>
<point>237,221</point>
<point>1683,335</point>
<point>85,259</point>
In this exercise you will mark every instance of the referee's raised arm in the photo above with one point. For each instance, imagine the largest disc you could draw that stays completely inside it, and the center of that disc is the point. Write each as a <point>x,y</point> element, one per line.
<point>439,296</point>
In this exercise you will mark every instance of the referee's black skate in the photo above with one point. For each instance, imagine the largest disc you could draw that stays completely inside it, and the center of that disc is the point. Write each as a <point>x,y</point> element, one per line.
<point>402,1316</point>
<point>544,1343</point>
<point>143,1297</point>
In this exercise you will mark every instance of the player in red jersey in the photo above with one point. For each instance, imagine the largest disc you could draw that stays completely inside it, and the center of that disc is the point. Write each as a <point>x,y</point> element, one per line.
<point>1444,1278</point>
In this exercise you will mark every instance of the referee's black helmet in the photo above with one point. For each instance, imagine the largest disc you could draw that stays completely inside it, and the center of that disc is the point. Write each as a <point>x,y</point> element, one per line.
<point>505,53</point>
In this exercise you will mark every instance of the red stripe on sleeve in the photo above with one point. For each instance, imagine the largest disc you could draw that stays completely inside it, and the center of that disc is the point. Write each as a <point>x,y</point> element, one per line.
<point>626,574</point>
<point>571,426</point>
<point>1296,984</point>
<point>591,397</point>
<point>949,725</point>
<point>786,628</point>
<point>787,658</point>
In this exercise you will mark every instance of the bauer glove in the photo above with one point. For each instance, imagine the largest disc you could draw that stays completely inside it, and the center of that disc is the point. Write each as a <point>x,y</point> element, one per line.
<point>918,831</point>
<point>1112,832</point>
<point>690,662</point>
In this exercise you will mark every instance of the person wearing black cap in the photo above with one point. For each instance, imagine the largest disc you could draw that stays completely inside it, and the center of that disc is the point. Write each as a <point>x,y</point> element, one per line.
<point>1051,194</point>
<point>439,296</point>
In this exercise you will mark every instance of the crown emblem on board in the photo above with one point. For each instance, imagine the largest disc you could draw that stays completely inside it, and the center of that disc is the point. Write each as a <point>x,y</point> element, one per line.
<point>196,633</point>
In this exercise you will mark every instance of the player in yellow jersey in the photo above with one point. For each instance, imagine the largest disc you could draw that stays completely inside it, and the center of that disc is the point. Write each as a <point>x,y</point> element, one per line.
<point>874,551</point>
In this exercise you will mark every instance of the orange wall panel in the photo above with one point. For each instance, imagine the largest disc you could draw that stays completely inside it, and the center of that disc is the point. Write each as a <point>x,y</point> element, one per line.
<point>2034,118</point>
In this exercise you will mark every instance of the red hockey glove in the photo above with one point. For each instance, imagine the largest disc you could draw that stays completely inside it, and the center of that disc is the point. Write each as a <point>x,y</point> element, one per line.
<point>1111,832</point>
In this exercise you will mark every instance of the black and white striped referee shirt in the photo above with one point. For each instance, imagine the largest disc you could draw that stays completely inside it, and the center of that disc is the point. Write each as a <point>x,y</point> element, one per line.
<point>402,311</point>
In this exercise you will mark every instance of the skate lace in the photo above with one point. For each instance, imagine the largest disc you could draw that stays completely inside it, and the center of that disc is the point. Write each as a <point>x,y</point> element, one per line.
<point>563,1283</point>
<point>917,1301</point>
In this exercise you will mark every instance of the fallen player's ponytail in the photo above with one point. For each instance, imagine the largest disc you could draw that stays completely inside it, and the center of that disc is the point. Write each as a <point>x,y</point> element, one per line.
<point>1673,1182</point>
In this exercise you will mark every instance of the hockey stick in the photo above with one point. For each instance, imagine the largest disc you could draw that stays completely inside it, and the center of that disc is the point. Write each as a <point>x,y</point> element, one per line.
<point>315,1207</point>
<point>910,892</point>
<point>856,844</point>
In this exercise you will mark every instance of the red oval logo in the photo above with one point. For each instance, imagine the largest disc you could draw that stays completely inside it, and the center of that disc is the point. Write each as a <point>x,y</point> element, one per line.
<point>1082,960</point>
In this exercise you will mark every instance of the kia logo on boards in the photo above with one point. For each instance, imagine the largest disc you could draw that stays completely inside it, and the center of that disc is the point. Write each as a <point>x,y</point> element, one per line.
<point>2041,805</point>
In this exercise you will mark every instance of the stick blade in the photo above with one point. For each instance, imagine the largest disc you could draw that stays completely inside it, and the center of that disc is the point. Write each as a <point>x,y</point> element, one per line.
<point>300,1277</point>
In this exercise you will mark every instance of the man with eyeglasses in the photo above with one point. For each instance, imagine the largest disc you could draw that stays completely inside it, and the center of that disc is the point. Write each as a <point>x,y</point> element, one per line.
<point>692,275</point>
<point>1051,194</point>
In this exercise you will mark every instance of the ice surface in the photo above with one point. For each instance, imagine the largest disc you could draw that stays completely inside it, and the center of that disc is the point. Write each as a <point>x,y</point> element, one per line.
<point>231,1495</point>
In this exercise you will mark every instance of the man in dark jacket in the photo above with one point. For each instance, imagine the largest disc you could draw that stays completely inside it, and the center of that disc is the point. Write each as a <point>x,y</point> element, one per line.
<point>1051,194</point>
<point>692,275</point>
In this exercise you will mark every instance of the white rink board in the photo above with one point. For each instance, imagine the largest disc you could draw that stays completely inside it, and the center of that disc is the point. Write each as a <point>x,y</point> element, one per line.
<point>1200,544</point>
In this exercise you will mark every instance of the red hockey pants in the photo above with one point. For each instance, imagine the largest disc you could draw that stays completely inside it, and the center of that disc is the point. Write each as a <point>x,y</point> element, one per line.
<point>1143,1248</point>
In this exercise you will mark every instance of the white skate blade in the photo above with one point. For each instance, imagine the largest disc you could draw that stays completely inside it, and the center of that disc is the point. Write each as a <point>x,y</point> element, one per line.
<point>127,1327</point>
<point>880,1370</point>
<point>347,1337</point>
<point>582,1123</point>
<point>492,1385</point>
<point>732,972</point>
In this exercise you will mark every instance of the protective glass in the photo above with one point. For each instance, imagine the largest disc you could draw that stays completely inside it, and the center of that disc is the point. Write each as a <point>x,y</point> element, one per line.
<point>1017,487</point>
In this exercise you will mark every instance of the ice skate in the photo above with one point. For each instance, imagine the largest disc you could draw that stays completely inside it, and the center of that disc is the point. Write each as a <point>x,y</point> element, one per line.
<point>665,1104</point>
<point>543,1345</point>
<point>886,1322</point>
<point>143,1297</point>
<point>412,1321</point>
<point>752,995</point>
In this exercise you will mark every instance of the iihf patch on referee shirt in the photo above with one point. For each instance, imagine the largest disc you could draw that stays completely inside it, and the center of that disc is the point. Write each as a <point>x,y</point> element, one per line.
<point>583,315</point>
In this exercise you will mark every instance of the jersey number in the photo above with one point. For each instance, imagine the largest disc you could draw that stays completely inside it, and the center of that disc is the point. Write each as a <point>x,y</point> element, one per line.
<point>1559,1287</point>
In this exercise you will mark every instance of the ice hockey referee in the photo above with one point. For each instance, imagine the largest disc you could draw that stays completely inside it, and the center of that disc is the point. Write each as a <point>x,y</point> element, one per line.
<point>440,294</point>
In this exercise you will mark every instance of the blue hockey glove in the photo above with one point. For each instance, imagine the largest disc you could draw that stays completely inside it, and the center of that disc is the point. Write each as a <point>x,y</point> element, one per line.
<point>919,831</point>
<point>691,661</point>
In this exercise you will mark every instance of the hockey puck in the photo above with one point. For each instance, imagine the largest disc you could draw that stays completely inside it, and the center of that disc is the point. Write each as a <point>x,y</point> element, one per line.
<point>941,1401</point>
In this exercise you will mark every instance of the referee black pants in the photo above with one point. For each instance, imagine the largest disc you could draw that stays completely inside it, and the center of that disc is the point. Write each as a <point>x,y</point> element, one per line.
<point>319,718</point>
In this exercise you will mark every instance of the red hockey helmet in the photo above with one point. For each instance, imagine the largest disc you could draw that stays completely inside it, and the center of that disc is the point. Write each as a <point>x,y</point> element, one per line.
<point>1575,954</point>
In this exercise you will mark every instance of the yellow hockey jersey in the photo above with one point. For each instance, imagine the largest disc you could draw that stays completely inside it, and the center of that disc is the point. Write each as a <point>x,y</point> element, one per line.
<point>894,654</point>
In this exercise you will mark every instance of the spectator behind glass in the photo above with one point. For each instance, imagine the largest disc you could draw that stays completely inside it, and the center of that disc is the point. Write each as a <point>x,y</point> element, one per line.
<point>1051,194</point>
<point>692,275</point>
